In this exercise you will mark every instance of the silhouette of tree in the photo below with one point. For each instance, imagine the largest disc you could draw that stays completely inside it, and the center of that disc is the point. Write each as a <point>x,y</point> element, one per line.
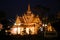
<point>2,15</point>
<point>3,19</point>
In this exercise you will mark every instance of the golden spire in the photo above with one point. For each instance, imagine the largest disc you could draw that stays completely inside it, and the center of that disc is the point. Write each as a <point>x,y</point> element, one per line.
<point>28,11</point>
<point>28,7</point>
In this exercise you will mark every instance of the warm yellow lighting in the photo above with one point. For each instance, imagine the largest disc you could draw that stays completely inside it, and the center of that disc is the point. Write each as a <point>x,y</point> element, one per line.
<point>49,28</point>
<point>32,30</point>
<point>27,30</point>
<point>15,24</point>
<point>18,30</point>
<point>14,31</point>
<point>1,27</point>
<point>45,24</point>
<point>26,24</point>
<point>6,30</point>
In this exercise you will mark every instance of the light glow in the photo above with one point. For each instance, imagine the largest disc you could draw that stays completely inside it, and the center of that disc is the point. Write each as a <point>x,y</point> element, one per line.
<point>27,30</point>
<point>26,24</point>
<point>14,31</point>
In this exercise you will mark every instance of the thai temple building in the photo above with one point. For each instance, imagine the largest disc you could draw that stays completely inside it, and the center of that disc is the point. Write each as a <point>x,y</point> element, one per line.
<point>50,31</point>
<point>49,28</point>
<point>29,23</point>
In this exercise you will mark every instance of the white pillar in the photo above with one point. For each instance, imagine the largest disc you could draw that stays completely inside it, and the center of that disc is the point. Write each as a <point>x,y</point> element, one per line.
<point>32,30</point>
<point>27,30</point>
<point>19,30</point>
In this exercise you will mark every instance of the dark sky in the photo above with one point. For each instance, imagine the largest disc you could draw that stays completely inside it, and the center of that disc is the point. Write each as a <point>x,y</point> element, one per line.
<point>13,7</point>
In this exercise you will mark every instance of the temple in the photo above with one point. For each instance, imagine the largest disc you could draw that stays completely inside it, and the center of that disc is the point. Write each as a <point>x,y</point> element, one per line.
<point>30,24</point>
<point>27,24</point>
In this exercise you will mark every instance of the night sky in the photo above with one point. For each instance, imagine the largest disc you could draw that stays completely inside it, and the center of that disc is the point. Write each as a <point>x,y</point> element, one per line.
<point>13,7</point>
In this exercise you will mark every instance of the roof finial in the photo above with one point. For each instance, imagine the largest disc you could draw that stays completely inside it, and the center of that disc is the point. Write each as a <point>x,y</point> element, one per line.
<point>28,11</point>
<point>28,7</point>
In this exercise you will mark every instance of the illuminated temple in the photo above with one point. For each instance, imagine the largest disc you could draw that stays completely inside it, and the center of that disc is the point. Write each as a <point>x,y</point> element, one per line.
<point>27,24</point>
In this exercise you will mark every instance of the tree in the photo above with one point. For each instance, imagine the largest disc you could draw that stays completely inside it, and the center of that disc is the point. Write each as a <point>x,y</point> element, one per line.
<point>2,15</point>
